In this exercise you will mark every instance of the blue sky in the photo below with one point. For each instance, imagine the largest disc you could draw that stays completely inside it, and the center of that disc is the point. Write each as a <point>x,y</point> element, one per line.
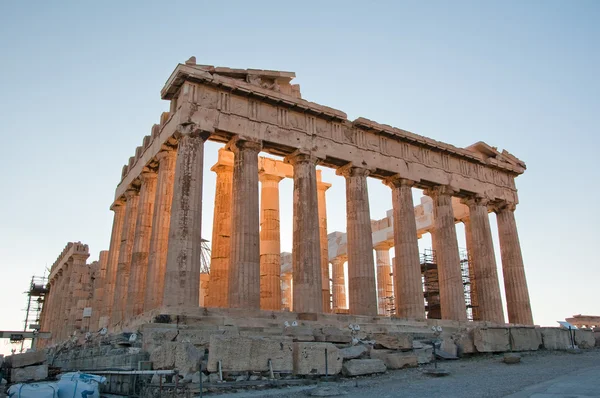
<point>80,87</point>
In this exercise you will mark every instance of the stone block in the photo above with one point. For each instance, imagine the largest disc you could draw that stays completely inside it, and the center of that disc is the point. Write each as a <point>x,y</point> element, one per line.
<point>491,339</point>
<point>465,344</point>
<point>175,355</point>
<point>393,341</point>
<point>27,359</point>
<point>300,333</point>
<point>583,338</point>
<point>353,352</point>
<point>396,359</point>
<point>309,359</point>
<point>359,367</point>
<point>525,339</point>
<point>333,335</point>
<point>29,373</point>
<point>424,355</point>
<point>250,353</point>
<point>448,346</point>
<point>555,338</point>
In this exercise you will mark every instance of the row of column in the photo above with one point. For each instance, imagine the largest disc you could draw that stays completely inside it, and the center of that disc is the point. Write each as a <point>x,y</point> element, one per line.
<point>245,268</point>
<point>407,274</point>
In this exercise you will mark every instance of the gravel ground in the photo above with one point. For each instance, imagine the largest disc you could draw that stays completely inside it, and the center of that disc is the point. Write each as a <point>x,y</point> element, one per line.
<point>481,376</point>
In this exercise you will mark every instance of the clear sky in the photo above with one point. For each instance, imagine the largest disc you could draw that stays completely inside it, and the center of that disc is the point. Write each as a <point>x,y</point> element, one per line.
<point>80,87</point>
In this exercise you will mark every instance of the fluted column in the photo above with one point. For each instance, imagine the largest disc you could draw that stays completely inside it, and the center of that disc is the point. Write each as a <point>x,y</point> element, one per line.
<point>515,282</point>
<point>63,326</point>
<point>339,283</point>
<point>78,280</point>
<point>141,245</point>
<point>159,237</point>
<point>218,286</point>
<point>483,258</point>
<point>384,278</point>
<point>472,281</point>
<point>99,288</point>
<point>244,267</point>
<point>55,306</point>
<point>182,274</point>
<point>132,197</point>
<point>408,288</point>
<point>452,299</point>
<point>113,260</point>
<point>322,187</point>
<point>361,268</point>
<point>270,253</point>
<point>306,252</point>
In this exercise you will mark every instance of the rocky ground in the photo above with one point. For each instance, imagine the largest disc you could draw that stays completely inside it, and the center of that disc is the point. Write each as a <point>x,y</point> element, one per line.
<point>479,376</point>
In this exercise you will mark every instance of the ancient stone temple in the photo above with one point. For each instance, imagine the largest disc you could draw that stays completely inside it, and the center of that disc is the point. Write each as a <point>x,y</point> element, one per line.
<point>153,263</point>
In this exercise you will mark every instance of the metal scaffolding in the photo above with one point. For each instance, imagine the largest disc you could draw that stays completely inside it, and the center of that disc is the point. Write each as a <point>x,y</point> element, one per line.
<point>36,296</point>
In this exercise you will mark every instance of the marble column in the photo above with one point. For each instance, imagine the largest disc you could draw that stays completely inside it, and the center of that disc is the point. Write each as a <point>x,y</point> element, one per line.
<point>218,286</point>
<point>77,290</point>
<point>244,266</point>
<point>483,258</point>
<point>270,253</point>
<point>362,288</point>
<point>472,281</point>
<point>452,295</point>
<point>159,236</point>
<point>322,187</point>
<point>141,245</point>
<point>99,286</point>
<point>287,301</point>
<point>306,252</point>
<point>515,282</point>
<point>132,197</point>
<point>384,278</point>
<point>408,285</point>
<point>182,273</point>
<point>63,326</point>
<point>339,283</point>
<point>113,259</point>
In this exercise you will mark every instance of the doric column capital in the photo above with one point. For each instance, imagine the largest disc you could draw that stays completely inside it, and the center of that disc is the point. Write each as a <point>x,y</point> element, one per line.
<point>396,181</point>
<point>148,175</point>
<point>222,168</point>
<point>117,204</point>
<point>131,192</point>
<point>238,143</point>
<point>192,130</point>
<point>167,154</point>
<point>475,200</point>
<point>440,190</point>
<point>349,170</point>
<point>263,176</point>
<point>498,207</point>
<point>339,259</point>
<point>323,186</point>
<point>297,157</point>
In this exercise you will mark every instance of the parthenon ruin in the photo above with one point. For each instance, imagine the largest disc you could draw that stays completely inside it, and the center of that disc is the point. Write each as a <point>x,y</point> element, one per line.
<point>153,261</point>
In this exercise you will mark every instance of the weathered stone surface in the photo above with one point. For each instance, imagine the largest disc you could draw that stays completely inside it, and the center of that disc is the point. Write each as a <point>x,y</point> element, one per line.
<point>584,338</point>
<point>176,355</point>
<point>424,355</point>
<point>555,338</point>
<point>333,335</point>
<point>29,373</point>
<point>393,341</point>
<point>396,359</point>
<point>239,354</point>
<point>525,339</point>
<point>491,339</point>
<point>358,367</point>
<point>327,391</point>
<point>448,346</point>
<point>465,344</point>
<point>511,358</point>
<point>27,359</point>
<point>353,352</point>
<point>309,359</point>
